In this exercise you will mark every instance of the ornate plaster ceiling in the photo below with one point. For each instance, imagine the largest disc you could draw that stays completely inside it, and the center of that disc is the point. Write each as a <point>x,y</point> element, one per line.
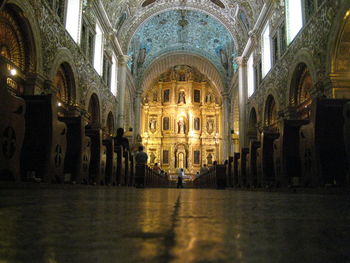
<point>182,30</point>
<point>237,15</point>
<point>147,29</point>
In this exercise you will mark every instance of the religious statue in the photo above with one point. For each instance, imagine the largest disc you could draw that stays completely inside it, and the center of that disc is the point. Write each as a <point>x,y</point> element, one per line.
<point>209,158</point>
<point>152,157</point>
<point>141,57</point>
<point>210,126</point>
<point>209,98</point>
<point>145,100</point>
<point>155,96</point>
<point>223,58</point>
<point>153,125</point>
<point>181,126</point>
<point>181,97</point>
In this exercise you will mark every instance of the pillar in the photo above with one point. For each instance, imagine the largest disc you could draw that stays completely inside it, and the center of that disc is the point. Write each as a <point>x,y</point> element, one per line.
<point>123,64</point>
<point>137,108</point>
<point>226,126</point>
<point>243,94</point>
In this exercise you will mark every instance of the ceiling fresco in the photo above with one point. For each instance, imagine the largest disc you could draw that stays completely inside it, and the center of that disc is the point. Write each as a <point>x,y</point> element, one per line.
<point>182,30</point>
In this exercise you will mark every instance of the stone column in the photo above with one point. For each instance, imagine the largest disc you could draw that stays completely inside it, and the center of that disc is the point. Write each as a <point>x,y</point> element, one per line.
<point>122,62</point>
<point>243,95</point>
<point>226,126</point>
<point>137,108</point>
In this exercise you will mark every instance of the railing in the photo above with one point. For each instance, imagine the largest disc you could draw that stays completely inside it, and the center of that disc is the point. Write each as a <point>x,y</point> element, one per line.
<point>214,178</point>
<point>146,177</point>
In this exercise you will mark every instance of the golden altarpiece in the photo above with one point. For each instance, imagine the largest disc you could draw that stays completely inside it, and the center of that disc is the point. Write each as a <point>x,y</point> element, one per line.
<point>181,121</point>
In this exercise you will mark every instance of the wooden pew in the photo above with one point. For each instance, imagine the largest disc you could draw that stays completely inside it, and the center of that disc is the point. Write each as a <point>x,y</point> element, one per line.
<point>12,128</point>
<point>98,156</point>
<point>78,153</point>
<point>346,131</point>
<point>45,142</point>
<point>268,171</point>
<point>229,173</point>
<point>111,162</point>
<point>252,171</point>
<point>236,158</point>
<point>120,165</point>
<point>286,153</point>
<point>243,167</point>
<point>322,147</point>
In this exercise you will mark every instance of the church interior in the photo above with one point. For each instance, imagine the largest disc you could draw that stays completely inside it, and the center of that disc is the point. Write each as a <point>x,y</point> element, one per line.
<point>257,92</point>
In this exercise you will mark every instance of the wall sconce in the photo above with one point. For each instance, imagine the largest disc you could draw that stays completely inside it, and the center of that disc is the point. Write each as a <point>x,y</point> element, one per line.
<point>13,72</point>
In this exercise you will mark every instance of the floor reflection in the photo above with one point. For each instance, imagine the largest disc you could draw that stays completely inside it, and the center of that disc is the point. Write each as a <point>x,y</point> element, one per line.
<point>92,224</point>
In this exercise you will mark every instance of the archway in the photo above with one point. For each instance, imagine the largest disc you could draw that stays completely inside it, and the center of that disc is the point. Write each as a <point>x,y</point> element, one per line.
<point>252,126</point>
<point>17,50</point>
<point>110,125</point>
<point>301,86</point>
<point>270,114</point>
<point>94,111</point>
<point>340,66</point>
<point>269,135</point>
<point>65,89</point>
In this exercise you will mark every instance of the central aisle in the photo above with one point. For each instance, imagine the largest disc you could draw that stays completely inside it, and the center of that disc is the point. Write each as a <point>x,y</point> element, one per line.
<point>92,224</point>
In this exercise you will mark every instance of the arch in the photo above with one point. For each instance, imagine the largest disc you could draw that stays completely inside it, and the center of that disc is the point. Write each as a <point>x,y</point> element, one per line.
<point>270,112</point>
<point>94,111</point>
<point>65,85</point>
<point>252,125</point>
<point>339,30</point>
<point>110,124</point>
<point>303,56</point>
<point>300,91</point>
<point>29,25</point>
<point>64,59</point>
<point>338,60</point>
<point>165,62</point>
<point>17,47</point>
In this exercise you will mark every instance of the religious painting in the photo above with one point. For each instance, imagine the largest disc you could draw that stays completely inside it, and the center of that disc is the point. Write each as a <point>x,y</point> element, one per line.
<point>166,95</point>
<point>166,123</point>
<point>153,125</point>
<point>197,124</point>
<point>196,157</point>
<point>197,96</point>
<point>165,157</point>
<point>210,126</point>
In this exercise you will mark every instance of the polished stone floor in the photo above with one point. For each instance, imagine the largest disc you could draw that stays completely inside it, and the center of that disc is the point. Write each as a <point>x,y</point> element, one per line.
<point>101,224</point>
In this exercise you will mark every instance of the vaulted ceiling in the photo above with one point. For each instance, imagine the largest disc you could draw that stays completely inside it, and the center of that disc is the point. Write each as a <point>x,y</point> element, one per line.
<point>216,30</point>
<point>182,30</point>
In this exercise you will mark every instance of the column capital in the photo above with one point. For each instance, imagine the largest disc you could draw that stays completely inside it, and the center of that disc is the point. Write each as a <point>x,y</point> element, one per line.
<point>241,61</point>
<point>123,59</point>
